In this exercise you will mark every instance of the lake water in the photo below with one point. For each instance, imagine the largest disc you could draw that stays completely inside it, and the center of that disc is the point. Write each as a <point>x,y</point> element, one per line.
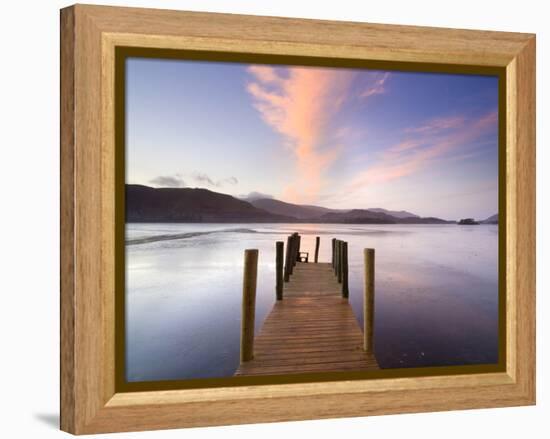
<point>436,300</point>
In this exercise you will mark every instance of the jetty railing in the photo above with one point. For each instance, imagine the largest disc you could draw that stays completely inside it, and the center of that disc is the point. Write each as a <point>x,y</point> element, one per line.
<point>285,261</point>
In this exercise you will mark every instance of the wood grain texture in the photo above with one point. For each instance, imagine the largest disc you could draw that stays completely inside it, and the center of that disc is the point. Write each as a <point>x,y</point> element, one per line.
<point>67,249</point>
<point>90,323</point>
<point>89,37</point>
<point>311,280</point>
<point>310,37</point>
<point>313,329</point>
<point>522,224</point>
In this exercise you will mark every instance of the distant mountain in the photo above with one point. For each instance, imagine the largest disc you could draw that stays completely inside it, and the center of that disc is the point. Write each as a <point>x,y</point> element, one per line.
<point>394,213</point>
<point>147,204</point>
<point>358,216</point>
<point>367,216</point>
<point>493,219</point>
<point>424,220</point>
<point>302,211</point>
<point>288,209</point>
<point>194,205</point>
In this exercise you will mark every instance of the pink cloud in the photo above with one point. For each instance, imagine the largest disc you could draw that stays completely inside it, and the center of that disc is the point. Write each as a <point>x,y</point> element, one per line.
<point>433,140</point>
<point>377,87</point>
<point>438,124</point>
<point>405,145</point>
<point>264,74</point>
<point>301,105</point>
<point>489,120</point>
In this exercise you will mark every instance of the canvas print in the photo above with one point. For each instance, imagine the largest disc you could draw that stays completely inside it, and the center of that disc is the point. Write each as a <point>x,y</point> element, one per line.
<point>293,220</point>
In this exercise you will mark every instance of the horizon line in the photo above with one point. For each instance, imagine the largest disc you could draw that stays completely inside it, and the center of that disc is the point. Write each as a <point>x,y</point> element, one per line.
<point>244,198</point>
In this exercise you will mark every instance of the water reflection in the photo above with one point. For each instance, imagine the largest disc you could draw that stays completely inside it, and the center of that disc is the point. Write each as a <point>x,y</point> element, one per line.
<point>436,293</point>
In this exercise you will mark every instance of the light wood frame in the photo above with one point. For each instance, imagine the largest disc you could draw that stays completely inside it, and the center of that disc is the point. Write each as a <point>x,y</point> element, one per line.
<point>89,35</point>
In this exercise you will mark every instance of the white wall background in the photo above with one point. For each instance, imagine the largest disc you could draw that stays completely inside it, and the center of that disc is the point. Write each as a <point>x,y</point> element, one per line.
<point>29,235</point>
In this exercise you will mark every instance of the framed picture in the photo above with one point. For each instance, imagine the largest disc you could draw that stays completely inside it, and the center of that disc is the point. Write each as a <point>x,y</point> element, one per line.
<point>267,219</point>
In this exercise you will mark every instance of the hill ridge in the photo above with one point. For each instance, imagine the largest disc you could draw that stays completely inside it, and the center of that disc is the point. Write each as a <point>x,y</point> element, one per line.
<point>197,205</point>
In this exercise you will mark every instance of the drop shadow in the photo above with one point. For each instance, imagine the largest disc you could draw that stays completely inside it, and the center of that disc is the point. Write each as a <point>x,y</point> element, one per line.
<point>49,419</point>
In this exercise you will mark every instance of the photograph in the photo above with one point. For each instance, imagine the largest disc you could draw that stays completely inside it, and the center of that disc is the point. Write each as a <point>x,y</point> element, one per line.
<point>294,219</point>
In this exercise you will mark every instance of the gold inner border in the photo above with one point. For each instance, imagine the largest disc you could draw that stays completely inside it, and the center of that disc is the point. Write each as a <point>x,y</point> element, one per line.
<point>124,52</point>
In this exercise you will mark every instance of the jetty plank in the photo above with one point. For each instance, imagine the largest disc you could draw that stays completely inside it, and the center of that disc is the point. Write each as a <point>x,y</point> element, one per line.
<point>313,329</point>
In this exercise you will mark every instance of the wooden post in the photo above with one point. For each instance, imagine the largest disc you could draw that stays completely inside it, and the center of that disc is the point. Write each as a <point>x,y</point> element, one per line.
<point>292,259</point>
<point>317,243</point>
<point>287,258</point>
<point>340,261</point>
<point>336,256</point>
<point>345,286</point>
<point>250,276</point>
<point>279,250</point>
<point>368,300</point>
<point>333,250</point>
<point>298,240</point>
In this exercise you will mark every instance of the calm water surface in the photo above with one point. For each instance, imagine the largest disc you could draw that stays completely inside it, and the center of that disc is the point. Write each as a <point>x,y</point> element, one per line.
<point>436,292</point>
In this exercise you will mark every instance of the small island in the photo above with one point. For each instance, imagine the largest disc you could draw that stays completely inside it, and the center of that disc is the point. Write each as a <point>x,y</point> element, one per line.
<point>468,222</point>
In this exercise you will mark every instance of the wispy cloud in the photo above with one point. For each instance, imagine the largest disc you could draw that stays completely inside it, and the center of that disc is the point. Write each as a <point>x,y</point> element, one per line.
<point>264,74</point>
<point>376,84</point>
<point>230,180</point>
<point>176,180</point>
<point>203,178</point>
<point>300,103</point>
<point>168,181</point>
<point>438,125</point>
<point>436,139</point>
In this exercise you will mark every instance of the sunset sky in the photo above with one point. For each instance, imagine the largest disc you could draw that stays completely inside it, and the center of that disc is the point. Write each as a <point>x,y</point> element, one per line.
<point>339,138</point>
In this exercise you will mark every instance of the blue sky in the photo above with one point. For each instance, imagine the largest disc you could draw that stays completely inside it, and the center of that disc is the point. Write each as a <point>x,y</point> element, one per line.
<point>340,138</point>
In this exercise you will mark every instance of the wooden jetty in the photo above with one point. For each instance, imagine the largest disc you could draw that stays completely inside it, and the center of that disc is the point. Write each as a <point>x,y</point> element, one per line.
<point>311,327</point>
